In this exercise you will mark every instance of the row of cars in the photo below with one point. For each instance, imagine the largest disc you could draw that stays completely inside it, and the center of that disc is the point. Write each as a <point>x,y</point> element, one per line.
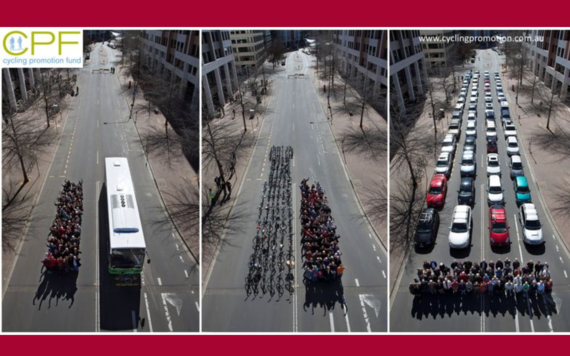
<point>461,222</point>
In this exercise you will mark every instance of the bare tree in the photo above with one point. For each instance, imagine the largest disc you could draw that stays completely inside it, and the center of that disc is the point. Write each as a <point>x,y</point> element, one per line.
<point>371,142</point>
<point>275,52</point>
<point>562,206</point>
<point>556,142</point>
<point>15,212</point>
<point>376,200</point>
<point>405,207</point>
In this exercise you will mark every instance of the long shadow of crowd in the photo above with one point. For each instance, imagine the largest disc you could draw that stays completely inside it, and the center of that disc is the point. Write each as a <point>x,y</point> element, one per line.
<point>492,288</point>
<point>62,261</point>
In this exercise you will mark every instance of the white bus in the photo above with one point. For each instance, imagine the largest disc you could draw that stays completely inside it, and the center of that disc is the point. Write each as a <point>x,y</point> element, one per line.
<point>127,248</point>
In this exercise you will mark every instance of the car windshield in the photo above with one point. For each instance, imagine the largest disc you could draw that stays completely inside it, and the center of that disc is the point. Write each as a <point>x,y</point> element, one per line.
<point>532,225</point>
<point>435,190</point>
<point>493,163</point>
<point>465,193</point>
<point>442,163</point>
<point>500,227</point>
<point>447,143</point>
<point>517,165</point>
<point>513,144</point>
<point>468,162</point>
<point>522,190</point>
<point>459,227</point>
<point>495,190</point>
<point>424,227</point>
<point>492,129</point>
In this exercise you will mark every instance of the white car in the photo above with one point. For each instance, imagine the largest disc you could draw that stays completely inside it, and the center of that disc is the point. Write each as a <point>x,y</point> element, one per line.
<point>471,129</point>
<point>474,93</point>
<point>472,116</point>
<point>495,190</point>
<point>461,99</point>
<point>488,98</point>
<point>448,144</point>
<point>468,164</point>
<point>491,128</point>
<point>443,164</point>
<point>488,106</point>
<point>500,96</point>
<point>455,127</point>
<point>512,146</point>
<point>493,164</point>
<point>473,100</point>
<point>487,85</point>
<point>460,229</point>
<point>510,130</point>
<point>532,229</point>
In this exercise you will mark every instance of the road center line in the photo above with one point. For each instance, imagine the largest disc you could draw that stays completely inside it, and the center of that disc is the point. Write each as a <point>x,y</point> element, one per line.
<point>332,321</point>
<point>166,312</point>
<point>358,284</point>
<point>148,313</point>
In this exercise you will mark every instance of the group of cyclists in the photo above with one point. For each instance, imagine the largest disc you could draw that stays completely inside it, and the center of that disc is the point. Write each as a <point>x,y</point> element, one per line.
<point>492,278</point>
<point>321,252</point>
<point>65,233</point>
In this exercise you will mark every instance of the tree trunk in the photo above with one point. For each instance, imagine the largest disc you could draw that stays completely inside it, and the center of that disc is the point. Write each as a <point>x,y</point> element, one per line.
<point>20,154</point>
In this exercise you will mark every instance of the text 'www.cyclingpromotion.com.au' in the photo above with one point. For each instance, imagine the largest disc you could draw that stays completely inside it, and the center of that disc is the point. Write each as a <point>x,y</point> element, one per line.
<point>473,39</point>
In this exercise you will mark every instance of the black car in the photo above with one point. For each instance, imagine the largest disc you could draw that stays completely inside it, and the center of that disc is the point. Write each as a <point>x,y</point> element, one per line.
<point>470,144</point>
<point>427,228</point>
<point>492,144</point>
<point>466,192</point>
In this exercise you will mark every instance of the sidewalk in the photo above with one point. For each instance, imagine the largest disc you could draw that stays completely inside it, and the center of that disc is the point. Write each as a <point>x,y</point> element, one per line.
<point>365,173</point>
<point>547,168</point>
<point>171,174</point>
<point>12,178</point>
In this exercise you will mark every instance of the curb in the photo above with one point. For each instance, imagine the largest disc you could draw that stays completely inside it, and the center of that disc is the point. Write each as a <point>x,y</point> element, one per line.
<point>165,206</point>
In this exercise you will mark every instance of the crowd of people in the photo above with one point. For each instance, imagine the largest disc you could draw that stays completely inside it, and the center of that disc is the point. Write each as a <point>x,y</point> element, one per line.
<point>493,278</point>
<point>321,252</point>
<point>64,236</point>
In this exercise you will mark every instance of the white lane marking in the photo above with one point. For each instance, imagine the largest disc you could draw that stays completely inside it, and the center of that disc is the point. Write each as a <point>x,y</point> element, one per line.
<point>134,319</point>
<point>347,322</point>
<point>357,284</point>
<point>332,322</point>
<point>518,238</point>
<point>366,319</point>
<point>159,281</point>
<point>378,258</point>
<point>181,259</point>
<point>517,325</point>
<point>561,260</point>
<point>186,273</point>
<point>295,311</point>
<point>557,249</point>
<point>197,306</point>
<point>374,247</point>
<point>565,274</point>
<point>554,237</point>
<point>177,248</point>
<point>148,312</point>
<point>370,235</point>
<point>166,312</point>
<point>482,223</point>
<point>384,274</point>
<point>97,317</point>
<point>531,325</point>
<point>550,327</point>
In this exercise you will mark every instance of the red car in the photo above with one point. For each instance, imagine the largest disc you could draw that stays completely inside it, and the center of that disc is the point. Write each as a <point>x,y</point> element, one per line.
<point>437,191</point>
<point>498,226</point>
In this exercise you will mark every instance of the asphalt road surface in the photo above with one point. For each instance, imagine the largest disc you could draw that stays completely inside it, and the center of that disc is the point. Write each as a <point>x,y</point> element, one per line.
<point>97,127</point>
<point>487,314</point>
<point>296,119</point>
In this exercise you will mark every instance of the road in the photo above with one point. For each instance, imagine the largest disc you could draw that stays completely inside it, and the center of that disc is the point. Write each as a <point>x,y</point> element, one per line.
<point>487,314</point>
<point>97,126</point>
<point>296,119</point>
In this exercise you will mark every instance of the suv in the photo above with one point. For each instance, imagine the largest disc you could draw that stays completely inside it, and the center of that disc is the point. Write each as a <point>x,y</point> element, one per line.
<point>427,228</point>
<point>468,164</point>
<point>532,229</point>
<point>460,229</point>
<point>444,164</point>
<point>448,144</point>
<point>455,127</point>
<point>495,191</point>
<point>498,226</point>
<point>466,192</point>
<point>522,191</point>
<point>516,166</point>
<point>435,197</point>
<point>512,146</point>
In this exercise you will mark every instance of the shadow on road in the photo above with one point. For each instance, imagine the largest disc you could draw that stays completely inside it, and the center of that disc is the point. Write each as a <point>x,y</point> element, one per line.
<point>58,286</point>
<point>324,295</point>
<point>119,304</point>
<point>492,305</point>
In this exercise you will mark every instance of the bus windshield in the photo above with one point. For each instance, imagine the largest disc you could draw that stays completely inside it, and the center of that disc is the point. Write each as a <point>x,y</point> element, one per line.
<point>127,258</point>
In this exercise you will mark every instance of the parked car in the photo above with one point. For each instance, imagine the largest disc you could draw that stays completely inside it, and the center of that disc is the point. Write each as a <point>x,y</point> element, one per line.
<point>466,192</point>
<point>495,190</point>
<point>492,144</point>
<point>460,229</point>
<point>444,164</point>
<point>428,226</point>
<point>516,166</point>
<point>468,164</point>
<point>512,146</point>
<point>532,229</point>
<point>491,128</point>
<point>455,127</point>
<point>498,226</point>
<point>522,191</point>
<point>448,145</point>
<point>437,192</point>
<point>471,129</point>
<point>470,144</point>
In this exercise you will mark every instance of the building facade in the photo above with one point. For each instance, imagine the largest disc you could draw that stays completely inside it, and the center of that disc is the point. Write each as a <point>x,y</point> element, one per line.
<point>436,49</point>
<point>291,39</point>
<point>17,84</point>
<point>408,69</point>
<point>362,55</point>
<point>249,48</point>
<point>219,72</point>
<point>548,56</point>
<point>173,54</point>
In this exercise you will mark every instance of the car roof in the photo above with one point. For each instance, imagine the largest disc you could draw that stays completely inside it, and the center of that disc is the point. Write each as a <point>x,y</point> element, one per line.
<point>468,154</point>
<point>427,214</point>
<point>498,213</point>
<point>494,180</point>
<point>437,180</point>
<point>512,138</point>
<point>443,156</point>
<point>521,181</point>
<point>449,137</point>
<point>516,159</point>
<point>466,182</point>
